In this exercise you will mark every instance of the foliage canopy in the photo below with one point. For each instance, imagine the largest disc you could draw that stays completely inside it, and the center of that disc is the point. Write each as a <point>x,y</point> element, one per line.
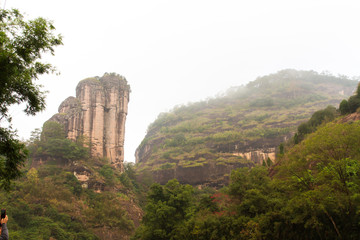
<point>22,45</point>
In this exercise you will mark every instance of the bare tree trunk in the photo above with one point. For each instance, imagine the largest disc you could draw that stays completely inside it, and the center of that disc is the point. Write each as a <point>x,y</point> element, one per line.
<point>334,224</point>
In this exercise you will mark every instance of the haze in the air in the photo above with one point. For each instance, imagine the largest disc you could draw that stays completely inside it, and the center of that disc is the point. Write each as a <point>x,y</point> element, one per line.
<point>175,52</point>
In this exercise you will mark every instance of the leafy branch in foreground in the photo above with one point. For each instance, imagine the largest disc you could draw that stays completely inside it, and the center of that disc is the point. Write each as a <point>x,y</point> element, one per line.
<point>22,44</point>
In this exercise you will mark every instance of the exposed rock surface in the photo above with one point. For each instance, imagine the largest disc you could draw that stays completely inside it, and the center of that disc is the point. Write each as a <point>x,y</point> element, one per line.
<point>258,156</point>
<point>210,172</point>
<point>98,113</point>
<point>351,117</point>
<point>85,176</point>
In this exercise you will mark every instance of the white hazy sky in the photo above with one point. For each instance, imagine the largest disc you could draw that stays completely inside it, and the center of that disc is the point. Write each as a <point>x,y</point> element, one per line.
<point>175,52</point>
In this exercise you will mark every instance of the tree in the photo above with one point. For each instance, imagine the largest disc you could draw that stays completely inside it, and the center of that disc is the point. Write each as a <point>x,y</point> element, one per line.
<point>54,144</point>
<point>12,154</point>
<point>52,130</point>
<point>354,103</point>
<point>358,90</point>
<point>344,107</point>
<point>166,210</point>
<point>22,45</point>
<point>319,117</point>
<point>323,179</point>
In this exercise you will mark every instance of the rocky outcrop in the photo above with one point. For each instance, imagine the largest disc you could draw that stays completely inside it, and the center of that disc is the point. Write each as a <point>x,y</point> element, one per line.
<point>85,176</point>
<point>98,114</point>
<point>351,118</point>
<point>258,156</point>
<point>209,174</point>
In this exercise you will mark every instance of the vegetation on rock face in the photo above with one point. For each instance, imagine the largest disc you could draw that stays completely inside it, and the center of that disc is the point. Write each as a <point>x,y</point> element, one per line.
<point>22,44</point>
<point>260,115</point>
<point>313,194</point>
<point>319,117</point>
<point>52,143</point>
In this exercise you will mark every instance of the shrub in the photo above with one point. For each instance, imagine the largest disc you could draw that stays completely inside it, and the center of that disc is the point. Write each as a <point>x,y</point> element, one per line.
<point>344,107</point>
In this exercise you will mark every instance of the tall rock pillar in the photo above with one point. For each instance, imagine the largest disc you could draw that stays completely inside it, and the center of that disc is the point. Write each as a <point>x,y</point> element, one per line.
<point>116,102</point>
<point>98,114</point>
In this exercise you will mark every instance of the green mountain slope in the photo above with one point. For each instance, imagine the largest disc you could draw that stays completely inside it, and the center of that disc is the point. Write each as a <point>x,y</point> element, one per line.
<point>311,193</point>
<point>200,143</point>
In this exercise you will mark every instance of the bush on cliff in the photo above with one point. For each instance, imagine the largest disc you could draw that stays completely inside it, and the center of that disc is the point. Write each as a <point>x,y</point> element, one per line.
<point>52,142</point>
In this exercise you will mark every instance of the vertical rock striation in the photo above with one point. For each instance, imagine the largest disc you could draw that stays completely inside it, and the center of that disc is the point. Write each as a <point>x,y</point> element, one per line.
<point>98,114</point>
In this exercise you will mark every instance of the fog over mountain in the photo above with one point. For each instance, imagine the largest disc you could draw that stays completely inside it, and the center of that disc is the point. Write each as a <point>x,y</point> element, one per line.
<point>178,52</point>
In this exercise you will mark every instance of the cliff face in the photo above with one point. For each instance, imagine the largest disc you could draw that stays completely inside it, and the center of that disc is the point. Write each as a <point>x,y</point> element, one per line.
<point>98,114</point>
<point>209,169</point>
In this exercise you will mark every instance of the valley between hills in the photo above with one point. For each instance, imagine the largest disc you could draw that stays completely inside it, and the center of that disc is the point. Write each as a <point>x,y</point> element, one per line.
<point>277,158</point>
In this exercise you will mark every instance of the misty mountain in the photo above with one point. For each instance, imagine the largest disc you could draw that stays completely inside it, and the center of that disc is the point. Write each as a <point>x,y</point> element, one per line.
<point>200,143</point>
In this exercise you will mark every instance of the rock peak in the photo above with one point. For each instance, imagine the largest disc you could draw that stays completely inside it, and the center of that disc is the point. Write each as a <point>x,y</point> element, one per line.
<point>98,113</point>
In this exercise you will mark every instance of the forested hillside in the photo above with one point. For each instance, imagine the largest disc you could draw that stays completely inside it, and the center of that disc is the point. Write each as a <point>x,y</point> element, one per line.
<point>66,194</point>
<point>312,192</point>
<point>201,142</point>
